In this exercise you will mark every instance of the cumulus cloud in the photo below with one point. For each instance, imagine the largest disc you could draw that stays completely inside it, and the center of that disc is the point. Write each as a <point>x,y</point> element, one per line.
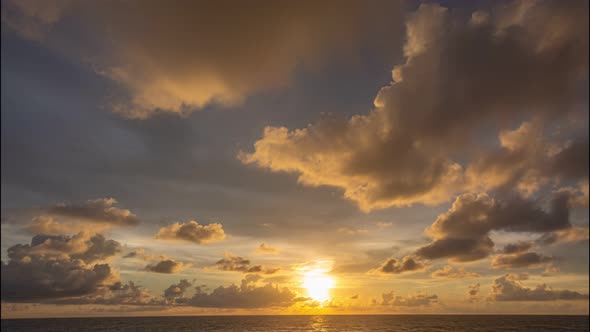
<point>96,215</point>
<point>183,57</point>
<point>247,295</point>
<point>515,248</point>
<point>175,293</point>
<point>139,252</point>
<point>166,266</point>
<point>569,235</point>
<point>462,233</point>
<point>408,301</point>
<point>400,152</point>
<point>54,267</point>
<point>450,272</point>
<point>192,231</point>
<point>528,159</point>
<point>521,260</point>
<point>394,266</point>
<point>509,288</point>
<point>99,210</point>
<point>473,293</point>
<point>240,264</point>
<point>263,248</point>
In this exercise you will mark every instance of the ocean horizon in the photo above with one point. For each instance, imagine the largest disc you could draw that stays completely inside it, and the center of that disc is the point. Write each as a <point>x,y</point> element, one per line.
<point>279,323</point>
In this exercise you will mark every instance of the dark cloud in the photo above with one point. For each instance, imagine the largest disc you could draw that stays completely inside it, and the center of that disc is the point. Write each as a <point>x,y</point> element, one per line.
<point>460,76</point>
<point>462,233</point>
<point>124,294</point>
<point>458,249</point>
<point>509,288</point>
<point>139,252</point>
<point>528,159</point>
<point>573,234</point>
<point>240,264</point>
<point>247,295</point>
<point>394,266</point>
<point>450,272</point>
<point>192,231</point>
<point>94,215</point>
<point>521,260</point>
<point>473,293</point>
<point>166,266</point>
<point>54,267</point>
<point>515,248</point>
<point>175,293</point>
<point>99,210</point>
<point>82,246</point>
<point>183,57</point>
<point>408,301</point>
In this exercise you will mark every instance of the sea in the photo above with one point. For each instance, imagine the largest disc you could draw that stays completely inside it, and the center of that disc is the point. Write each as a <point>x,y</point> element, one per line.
<point>328,323</point>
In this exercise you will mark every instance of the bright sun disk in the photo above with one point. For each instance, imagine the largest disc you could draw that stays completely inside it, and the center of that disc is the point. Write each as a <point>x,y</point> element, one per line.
<point>318,285</point>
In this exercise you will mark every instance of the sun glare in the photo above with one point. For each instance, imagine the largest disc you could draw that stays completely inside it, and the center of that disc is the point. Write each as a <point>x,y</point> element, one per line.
<point>318,285</point>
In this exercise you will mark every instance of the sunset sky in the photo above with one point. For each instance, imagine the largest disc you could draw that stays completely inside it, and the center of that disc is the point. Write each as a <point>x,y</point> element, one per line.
<point>294,157</point>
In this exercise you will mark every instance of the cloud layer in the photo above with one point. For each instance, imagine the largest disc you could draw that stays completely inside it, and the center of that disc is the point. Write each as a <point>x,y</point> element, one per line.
<point>183,57</point>
<point>460,77</point>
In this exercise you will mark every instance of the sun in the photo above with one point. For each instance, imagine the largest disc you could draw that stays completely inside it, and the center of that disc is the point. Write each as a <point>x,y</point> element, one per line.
<point>318,285</point>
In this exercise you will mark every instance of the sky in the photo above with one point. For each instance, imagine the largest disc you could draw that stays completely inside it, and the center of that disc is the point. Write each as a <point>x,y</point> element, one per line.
<point>277,157</point>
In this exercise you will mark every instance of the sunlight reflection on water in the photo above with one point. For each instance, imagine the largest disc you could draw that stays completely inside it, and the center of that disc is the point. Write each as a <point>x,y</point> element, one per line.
<point>392,323</point>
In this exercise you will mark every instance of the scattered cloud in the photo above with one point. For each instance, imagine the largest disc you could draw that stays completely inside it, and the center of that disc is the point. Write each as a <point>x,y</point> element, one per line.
<point>521,260</point>
<point>473,292</point>
<point>509,288</point>
<point>54,267</point>
<point>394,266</point>
<point>408,301</point>
<point>462,233</point>
<point>450,272</point>
<point>247,295</point>
<point>263,248</point>
<point>192,231</point>
<point>570,235</point>
<point>166,266</point>
<point>240,264</point>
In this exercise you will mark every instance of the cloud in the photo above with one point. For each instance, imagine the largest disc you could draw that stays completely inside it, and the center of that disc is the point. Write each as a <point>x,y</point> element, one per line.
<point>406,149</point>
<point>462,233</point>
<point>528,159</point>
<point>509,288</point>
<point>473,292</point>
<point>166,266</point>
<point>139,252</point>
<point>394,266</point>
<point>569,235</point>
<point>192,231</point>
<point>96,215</point>
<point>240,264</point>
<point>449,272</point>
<point>458,249</point>
<point>82,246</point>
<point>175,293</point>
<point>184,57</point>
<point>408,301</point>
<point>54,267</point>
<point>521,260</point>
<point>99,210</point>
<point>247,295</point>
<point>352,230</point>
<point>263,248</point>
<point>125,294</point>
<point>515,248</point>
